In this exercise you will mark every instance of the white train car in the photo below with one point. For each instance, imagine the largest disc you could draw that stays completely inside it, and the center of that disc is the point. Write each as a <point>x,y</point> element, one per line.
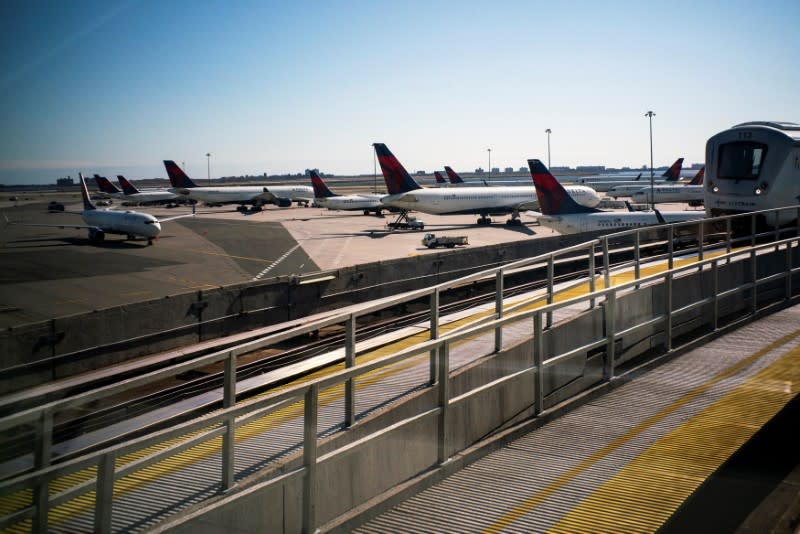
<point>754,166</point>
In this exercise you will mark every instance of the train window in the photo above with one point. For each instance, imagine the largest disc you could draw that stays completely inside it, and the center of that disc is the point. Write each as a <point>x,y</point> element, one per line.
<point>741,160</point>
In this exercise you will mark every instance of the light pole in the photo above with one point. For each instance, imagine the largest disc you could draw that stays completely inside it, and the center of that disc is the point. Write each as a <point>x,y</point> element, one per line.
<point>208,160</point>
<point>650,115</point>
<point>548,132</point>
<point>489,150</point>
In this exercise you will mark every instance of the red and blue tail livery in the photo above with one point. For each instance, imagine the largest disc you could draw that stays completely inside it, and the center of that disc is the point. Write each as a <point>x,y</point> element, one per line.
<point>105,185</point>
<point>87,203</point>
<point>439,178</point>
<point>320,189</point>
<point>176,175</point>
<point>673,174</point>
<point>394,174</point>
<point>127,187</point>
<point>453,176</point>
<point>553,198</point>
<point>698,178</point>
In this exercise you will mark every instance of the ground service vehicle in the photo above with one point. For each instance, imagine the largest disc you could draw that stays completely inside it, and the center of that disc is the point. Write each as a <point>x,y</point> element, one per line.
<point>409,223</point>
<point>432,241</point>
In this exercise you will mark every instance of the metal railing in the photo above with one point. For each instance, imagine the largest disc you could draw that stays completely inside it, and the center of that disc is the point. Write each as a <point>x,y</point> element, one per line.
<point>224,423</point>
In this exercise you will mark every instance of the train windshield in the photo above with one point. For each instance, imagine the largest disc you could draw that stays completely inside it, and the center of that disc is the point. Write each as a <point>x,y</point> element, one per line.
<point>741,160</point>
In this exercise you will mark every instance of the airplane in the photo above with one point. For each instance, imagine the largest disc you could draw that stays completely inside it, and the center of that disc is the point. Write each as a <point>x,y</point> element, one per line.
<point>145,197</point>
<point>100,222</point>
<point>440,181</point>
<point>455,179</point>
<point>406,194</point>
<point>256,196</point>
<point>691,192</point>
<point>107,188</point>
<point>328,199</point>
<point>561,213</point>
<point>605,185</point>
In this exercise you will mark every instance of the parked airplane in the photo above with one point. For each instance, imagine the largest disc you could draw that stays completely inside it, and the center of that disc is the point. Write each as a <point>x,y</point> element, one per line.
<point>133,195</point>
<point>326,198</point>
<point>440,181</point>
<point>455,179</point>
<point>99,222</point>
<point>561,213</point>
<point>256,196</point>
<point>606,185</point>
<point>107,188</point>
<point>406,194</point>
<point>691,192</point>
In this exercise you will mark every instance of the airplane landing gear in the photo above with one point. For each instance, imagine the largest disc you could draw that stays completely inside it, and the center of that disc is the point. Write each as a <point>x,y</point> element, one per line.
<point>485,220</point>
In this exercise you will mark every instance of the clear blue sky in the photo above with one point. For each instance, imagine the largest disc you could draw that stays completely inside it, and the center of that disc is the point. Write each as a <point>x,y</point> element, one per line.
<point>102,86</point>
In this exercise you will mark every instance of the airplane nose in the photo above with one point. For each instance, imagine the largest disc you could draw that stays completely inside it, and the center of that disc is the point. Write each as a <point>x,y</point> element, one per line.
<point>156,229</point>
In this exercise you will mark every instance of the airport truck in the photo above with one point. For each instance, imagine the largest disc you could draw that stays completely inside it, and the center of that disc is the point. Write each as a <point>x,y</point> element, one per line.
<point>410,223</point>
<point>431,241</point>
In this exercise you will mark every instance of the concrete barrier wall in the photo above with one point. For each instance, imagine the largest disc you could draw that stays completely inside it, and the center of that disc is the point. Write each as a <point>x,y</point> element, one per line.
<point>350,480</point>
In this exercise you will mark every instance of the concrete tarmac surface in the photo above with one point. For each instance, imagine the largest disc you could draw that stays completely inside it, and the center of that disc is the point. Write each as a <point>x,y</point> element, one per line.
<point>53,272</point>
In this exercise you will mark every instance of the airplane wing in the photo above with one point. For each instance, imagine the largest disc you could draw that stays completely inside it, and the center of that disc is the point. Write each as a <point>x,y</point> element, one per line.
<point>530,205</point>
<point>176,217</point>
<point>62,226</point>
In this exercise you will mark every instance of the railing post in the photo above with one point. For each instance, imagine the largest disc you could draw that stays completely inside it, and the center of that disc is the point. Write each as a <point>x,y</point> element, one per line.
<point>668,310</point>
<point>788,270</point>
<point>729,245</point>
<point>611,330</point>
<point>701,237</point>
<point>606,266</point>
<point>715,275</point>
<point>350,361</point>
<point>591,273</point>
<point>670,246</point>
<point>498,309</point>
<point>550,275</point>
<point>754,276</point>
<point>753,230</point>
<point>310,410</point>
<point>442,452</point>
<point>42,455</point>
<point>104,493</point>
<point>228,439</point>
<point>538,359</point>
<point>434,332</point>
<point>637,256</point>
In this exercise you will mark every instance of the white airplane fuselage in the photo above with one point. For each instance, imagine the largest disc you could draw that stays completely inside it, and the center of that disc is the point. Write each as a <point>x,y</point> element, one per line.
<point>131,223</point>
<point>350,202</point>
<point>667,193</point>
<point>479,200</point>
<point>245,194</point>
<point>150,196</point>
<point>574,223</point>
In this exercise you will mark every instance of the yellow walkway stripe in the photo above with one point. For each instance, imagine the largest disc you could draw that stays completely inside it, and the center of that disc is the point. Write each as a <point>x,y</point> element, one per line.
<point>687,455</point>
<point>559,482</point>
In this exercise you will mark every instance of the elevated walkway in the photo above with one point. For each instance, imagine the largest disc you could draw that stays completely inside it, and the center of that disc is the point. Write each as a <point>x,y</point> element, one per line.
<point>625,461</point>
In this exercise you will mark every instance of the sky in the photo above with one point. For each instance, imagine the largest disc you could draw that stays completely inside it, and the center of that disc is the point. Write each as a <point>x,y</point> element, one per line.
<point>278,87</point>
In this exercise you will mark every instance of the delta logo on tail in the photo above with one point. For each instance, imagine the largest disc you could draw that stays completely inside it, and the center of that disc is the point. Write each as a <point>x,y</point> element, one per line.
<point>105,185</point>
<point>320,189</point>
<point>698,178</point>
<point>673,174</point>
<point>553,198</point>
<point>127,187</point>
<point>439,178</point>
<point>397,178</point>
<point>453,176</point>
<point>177,177</point>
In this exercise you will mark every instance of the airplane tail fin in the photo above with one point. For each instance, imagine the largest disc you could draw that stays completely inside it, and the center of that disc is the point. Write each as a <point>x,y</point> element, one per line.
<point>87,204</point>
<point>439,178</point>
<point>105,185</point>
<point>127,187</point>
<point>638,177</point>
<point>320,189</point>
<point>673,174</point>
<point>394,174</point>
<point>453,176</point>
<point>698,178</point>
<point>177,177</point>
<point>553,198</point>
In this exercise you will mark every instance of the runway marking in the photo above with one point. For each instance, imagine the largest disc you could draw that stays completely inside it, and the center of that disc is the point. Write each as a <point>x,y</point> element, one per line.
<point>248,258</point>
<point>275,263</point>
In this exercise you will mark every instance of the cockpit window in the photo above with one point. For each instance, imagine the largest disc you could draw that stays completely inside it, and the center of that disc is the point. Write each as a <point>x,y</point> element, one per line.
<point>741,160</point>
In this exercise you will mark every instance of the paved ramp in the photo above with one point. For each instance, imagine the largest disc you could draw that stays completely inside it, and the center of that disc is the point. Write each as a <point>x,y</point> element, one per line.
<point>627,460</point>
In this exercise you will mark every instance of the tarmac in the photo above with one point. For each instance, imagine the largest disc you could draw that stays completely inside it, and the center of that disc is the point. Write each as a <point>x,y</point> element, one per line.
<point>53,272</point>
